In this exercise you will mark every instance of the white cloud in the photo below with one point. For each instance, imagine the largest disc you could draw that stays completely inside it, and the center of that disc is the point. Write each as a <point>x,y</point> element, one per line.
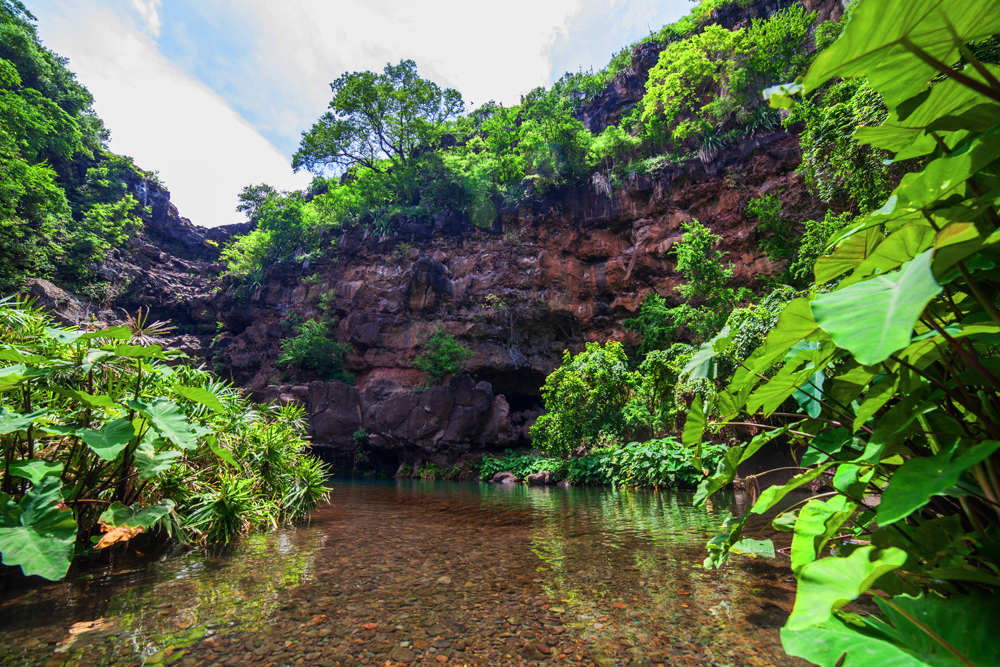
<point>150,13</point>
<point>205,152</point>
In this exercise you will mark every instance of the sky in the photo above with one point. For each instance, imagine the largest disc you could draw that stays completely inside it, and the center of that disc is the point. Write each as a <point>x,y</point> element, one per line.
<point>214,94</point>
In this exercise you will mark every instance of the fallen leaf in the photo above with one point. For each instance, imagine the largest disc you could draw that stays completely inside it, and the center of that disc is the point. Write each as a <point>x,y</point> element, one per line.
<point>114,534</point>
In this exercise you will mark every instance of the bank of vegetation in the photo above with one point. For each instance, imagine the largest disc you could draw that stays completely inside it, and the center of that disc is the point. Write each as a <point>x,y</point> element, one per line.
<point>107,437</point>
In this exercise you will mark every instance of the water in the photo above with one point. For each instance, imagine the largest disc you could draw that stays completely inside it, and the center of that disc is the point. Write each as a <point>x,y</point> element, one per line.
<point>425,573</point>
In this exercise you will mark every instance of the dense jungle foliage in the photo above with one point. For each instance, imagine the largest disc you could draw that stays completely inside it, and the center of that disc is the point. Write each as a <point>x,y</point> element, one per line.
<point>882,376</point>
<point>65,201</point>
<point>106,436</point>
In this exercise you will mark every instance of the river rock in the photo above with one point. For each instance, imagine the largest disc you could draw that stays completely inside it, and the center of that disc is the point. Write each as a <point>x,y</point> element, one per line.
<point>505,478</point>
<point>541,478</point>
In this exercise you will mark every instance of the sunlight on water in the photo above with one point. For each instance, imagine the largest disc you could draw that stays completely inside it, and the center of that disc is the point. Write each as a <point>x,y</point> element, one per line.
<point>425,573</point>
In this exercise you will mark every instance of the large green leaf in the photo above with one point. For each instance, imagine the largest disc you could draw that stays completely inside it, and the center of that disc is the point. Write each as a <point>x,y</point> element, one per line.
<point>838,644</point>
<point>169,421</point>
<point>876,43</point>
<point>11,421</point>
<point>908,123</point>
<point>694,429</point>
<point>941,179</point>
<point>36,470</point>
<point>151,463</point>
<point>772,495</point>
<point>898,248</point>
<point>825,445</point>
<point>136,517</point>
<point>968,623</point>
<point>826,585</point>
<point>795,323</point>
<point>920,478</point>
<point>38,532</point>
<point>875,318</point>
<point>99,401</point>
<point>818,521</point>
<point>137,351</point>
<point>797,373</point>
<point>110,440</point>
<point>849,254</point>
<point>199,395</point>
<point>725,473</point>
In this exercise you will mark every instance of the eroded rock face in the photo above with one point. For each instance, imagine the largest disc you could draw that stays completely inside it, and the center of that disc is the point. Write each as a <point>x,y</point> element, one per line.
<point>439,424</point>
<point>559,270</point>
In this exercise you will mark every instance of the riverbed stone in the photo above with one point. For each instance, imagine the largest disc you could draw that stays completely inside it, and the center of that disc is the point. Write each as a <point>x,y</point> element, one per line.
<point>541,478</point>
<point>505,478</point>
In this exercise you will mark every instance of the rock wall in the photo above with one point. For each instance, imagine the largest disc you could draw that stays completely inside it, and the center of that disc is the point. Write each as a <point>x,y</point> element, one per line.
<point>440,424</point>
<point>561,269</point>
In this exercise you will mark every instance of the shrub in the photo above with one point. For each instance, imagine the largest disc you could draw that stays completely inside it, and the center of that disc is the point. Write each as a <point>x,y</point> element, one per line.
<point>813,244</point>
<point>442,356</point>
<point>315,349</point>
<point>584,398</point>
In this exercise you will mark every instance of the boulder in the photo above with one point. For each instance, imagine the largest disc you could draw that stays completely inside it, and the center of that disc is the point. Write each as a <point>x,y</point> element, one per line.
<point>564,484</point>
<point>66,308</point>
<point>505,478</point>
<point>541,478</point>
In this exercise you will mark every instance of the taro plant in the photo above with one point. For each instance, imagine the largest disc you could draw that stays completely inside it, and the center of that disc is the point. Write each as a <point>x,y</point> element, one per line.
<point>103,440</point>
<point>888,384</point>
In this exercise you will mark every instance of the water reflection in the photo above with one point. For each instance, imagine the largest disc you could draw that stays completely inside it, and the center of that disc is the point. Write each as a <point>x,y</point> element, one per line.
<point>427,573</point>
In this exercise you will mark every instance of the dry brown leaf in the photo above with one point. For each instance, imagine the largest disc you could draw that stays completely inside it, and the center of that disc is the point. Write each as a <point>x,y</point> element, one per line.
<point>115,534</point>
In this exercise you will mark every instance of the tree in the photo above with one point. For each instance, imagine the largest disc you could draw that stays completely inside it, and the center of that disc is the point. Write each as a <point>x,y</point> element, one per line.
<point>377,120</point>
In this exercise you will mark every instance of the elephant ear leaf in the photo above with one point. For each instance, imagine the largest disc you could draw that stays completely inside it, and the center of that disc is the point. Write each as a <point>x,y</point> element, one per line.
<point>108,442</point>
<point>921,478</point>
<point>11,421</point>
<point>35,470</point>
<point>199,395</point>
<point>875,318</point>
<point>882,41</point>
<point>38,532</point>
<point>826,585</point>
<point>169,421</point>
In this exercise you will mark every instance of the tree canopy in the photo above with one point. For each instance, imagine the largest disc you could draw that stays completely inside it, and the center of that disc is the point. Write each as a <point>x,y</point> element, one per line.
<point>377,120</point>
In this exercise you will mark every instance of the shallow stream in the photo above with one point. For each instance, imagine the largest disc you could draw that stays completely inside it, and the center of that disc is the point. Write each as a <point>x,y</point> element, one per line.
<point>426,573</point>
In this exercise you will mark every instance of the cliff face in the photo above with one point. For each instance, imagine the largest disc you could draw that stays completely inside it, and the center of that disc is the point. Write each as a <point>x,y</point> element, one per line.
<point>558,271</point>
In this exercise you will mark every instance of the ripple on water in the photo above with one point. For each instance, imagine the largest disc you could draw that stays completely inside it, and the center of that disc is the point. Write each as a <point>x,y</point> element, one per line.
<point>422,573</point>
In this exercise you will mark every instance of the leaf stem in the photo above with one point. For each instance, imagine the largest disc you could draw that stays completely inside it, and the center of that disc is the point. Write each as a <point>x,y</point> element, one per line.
<point>949,72</point>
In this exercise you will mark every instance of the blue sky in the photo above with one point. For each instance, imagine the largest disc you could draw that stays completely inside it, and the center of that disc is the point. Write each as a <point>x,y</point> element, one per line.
<point>214,94</point>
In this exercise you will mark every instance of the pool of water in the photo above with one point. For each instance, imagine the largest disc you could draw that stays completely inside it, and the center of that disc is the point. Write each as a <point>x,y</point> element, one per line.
<point>426,573</point>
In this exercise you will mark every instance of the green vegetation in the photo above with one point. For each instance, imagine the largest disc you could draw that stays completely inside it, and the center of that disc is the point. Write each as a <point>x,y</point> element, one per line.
<point>314,348</point>
<point>104,436</point>
<point>660,463</point>
<point>884,374</point>
<point>442,356</point>
<point>64,199</point>
<point>771,224</point>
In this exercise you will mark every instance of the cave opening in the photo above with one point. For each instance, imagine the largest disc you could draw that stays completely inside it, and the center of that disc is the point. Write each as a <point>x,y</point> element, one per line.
<point>521,388</point>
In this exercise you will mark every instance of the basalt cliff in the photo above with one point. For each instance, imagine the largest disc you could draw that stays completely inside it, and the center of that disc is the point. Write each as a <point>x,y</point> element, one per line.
<point>559,270</point>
